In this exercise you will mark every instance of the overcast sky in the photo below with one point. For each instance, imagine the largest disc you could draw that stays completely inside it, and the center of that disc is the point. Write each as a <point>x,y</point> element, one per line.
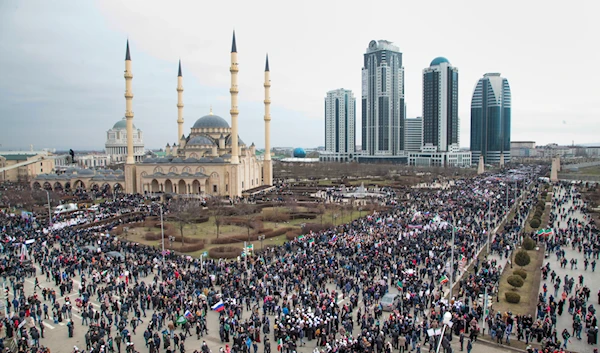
<point>61,64</point>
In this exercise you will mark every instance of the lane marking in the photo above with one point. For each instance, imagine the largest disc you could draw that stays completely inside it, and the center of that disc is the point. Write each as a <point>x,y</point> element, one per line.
<point>48,325</point>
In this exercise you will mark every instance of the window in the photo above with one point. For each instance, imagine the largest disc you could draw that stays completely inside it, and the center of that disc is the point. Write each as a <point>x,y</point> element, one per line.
<point>226,187</point>
<point>214,188</point>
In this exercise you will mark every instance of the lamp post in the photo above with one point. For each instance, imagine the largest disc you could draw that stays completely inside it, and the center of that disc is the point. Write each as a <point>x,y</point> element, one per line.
<point>451,264</point>
<point>162,233</point>
<point>49,212</point>
<point>261,238</point>
<point>489,224</point>
<point>447,321</point>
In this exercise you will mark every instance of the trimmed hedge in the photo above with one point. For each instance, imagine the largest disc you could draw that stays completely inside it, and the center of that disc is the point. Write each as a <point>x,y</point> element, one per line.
<point>535,223</point>
<point>515,281</point>
<point>512,297</point>
<point>528,244</point>
<point>276,217</point>
<point>268,233</point>
<point>522,258</point>
<point>225,252</point>
<point>520,273</point>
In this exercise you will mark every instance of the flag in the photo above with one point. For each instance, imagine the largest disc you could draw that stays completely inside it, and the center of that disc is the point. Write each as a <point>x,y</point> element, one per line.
<point>104,273</point>
<point>188,315</point>
<point>300,237</point>
<point>333,239</point>
<point>311,241</point>
<point>218,307</point>
<point>399,284</point>
<point>279,344</point>
<point>443,280</point>
<point>181,320</point>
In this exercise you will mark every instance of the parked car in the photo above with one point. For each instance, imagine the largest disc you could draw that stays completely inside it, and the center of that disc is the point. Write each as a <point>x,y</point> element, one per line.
<point>389,302</point>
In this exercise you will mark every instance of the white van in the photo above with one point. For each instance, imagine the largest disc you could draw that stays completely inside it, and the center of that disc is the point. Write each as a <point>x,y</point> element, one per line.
<point>69,207</point>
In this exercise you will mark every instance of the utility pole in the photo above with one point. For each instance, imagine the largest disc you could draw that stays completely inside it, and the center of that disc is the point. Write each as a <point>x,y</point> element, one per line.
<point>49,212</point>
<point>162,232</point>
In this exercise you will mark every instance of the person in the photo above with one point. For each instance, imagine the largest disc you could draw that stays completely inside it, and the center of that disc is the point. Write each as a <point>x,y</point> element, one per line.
<point>469,346</point>
<point>461,339</point>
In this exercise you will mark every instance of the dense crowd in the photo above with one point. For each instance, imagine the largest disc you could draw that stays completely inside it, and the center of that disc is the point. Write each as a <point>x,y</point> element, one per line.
<point>324,288</point>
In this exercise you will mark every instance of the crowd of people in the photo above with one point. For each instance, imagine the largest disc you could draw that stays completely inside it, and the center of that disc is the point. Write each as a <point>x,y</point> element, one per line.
<point>321,289</point>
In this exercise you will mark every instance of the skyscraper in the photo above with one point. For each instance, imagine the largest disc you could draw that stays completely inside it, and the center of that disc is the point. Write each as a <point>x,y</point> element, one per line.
<point>340,122</point>
<point>490,119</point>
<point>383,110</point>
<point>413,139</point>
<point>440,107</point>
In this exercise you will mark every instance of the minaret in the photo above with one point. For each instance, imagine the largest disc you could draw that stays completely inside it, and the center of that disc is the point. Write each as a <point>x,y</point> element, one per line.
<point>179,103</point>
<point>234,103</point>
<point>267,166</point>
<point>128,111</point>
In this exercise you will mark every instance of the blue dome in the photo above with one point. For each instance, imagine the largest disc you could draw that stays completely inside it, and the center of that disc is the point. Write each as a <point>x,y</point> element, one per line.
<point>439,60</point>
<point>210,121</point>
<point>122,125</point>
<point>299,152</point>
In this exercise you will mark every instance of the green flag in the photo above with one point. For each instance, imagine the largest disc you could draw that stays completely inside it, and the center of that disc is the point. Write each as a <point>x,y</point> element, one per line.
<point>181,320</point>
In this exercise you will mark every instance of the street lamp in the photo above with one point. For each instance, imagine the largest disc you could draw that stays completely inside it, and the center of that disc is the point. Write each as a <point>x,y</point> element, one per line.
<point>49,212</point>
<point>447,323</point>
<point>261,238</point>
<point>162,232</point>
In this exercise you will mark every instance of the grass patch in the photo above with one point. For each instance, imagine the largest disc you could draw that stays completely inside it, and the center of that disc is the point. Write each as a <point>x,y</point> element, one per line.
<point>529,291</point>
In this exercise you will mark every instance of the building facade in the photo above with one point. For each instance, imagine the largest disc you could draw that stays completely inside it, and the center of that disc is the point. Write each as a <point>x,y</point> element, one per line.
<point>440,106</point>
<point>383,107</point>
<point>413,138</point>
<point>116,143</point>
<point>490,119</point>
<point>23,166</point>
<point>211,161</point>
<point>340,122</point>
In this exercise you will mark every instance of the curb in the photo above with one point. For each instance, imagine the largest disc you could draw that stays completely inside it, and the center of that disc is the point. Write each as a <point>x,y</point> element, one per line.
<point>504,346</point>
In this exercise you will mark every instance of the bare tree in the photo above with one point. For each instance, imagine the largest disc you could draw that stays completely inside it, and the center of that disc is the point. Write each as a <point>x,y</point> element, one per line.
<point>248,211</point>
<point>184,211</point>
<point>218,210</point>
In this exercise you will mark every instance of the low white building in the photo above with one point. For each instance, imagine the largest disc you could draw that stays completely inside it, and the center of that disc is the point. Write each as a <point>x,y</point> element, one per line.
<point>116,143</point>
<point>459,159</point>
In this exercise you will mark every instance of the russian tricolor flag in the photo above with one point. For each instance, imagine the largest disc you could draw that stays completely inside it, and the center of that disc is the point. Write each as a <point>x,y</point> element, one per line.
<point>218,307</point>
<point>188,315</point>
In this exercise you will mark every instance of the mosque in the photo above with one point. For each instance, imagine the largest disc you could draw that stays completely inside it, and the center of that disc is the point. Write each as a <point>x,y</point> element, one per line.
<point>210,160</point>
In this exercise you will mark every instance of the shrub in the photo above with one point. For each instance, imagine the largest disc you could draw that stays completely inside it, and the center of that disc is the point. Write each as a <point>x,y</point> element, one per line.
<point>528,244</point>
<point>535,223</point>
<point>544,195</point>
<point>538,213</point>
<point>520,273</point>
<point>522,258</point>
<point>225,252</point>
<point>515,281</point>
<point>512,297</point>
<point>315,227</point>
<point>190,247</point>
<point>276,217</point>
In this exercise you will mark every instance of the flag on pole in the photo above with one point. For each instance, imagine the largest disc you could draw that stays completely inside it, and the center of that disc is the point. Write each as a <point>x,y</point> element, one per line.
<point>333,239</point>
<point>300,237</point>
<point>443,280</point>
<point>279,344</point>
<point>218,307</point>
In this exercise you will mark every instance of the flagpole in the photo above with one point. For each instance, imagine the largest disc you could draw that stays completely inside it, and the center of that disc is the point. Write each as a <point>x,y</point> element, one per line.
<point>451,264</point>
<point>162,232</point>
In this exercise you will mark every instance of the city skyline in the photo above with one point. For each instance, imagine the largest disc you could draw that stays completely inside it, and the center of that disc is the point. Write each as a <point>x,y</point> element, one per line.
<point>63,87</point>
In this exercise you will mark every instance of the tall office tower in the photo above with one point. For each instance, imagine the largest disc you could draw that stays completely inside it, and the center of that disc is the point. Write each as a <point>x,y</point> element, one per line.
<point>383,110</point>
<point>490,119</point>
<point>340,122</point>
<point>440,107</point>
<point>413,139</point>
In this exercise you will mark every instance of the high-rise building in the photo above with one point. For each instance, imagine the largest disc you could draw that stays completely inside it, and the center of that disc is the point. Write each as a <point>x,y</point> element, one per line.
<point>340,122</point>
<point>490,119</point>
<point>413,138</point>
<point>383,110</point>
<point>440,107</point>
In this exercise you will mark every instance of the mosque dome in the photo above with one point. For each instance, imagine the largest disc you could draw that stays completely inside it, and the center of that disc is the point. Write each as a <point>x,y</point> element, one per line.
<point>211,121</point>
<point>439,60</point>
<point>200,140</point>
<point>299,152</point>
<point>122,125</point>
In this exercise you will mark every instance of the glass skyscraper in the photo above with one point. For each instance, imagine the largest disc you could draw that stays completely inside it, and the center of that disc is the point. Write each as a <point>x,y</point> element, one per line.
<point>440,107</point>
<point>490,119</point>
<point>383,110</point>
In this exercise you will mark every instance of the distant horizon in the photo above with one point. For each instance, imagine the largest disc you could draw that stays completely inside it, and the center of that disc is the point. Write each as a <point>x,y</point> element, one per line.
<point>65,87</point>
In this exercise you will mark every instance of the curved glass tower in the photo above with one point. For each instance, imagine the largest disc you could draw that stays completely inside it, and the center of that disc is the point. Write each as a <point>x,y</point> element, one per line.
<point>490,119</point>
